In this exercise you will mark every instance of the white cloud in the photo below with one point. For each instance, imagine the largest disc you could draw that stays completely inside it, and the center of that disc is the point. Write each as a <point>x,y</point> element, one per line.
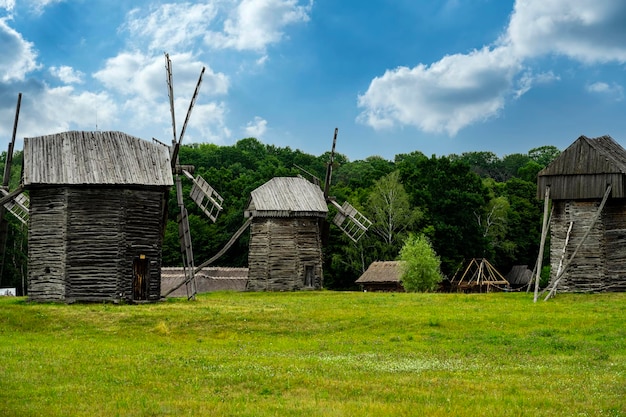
<point>255,24</point>
<point>37,6</point>
<point>143,76</point>
<point>613,90</point>
<point>67,74</point>
<point>585,30</point>
<point>256,128</point>
<point>172,26</point>
<point>20,56</point>
<point>8,5</point>
<point>446,96</point>
<point>462,89</point>
<point>47,110</point>
<point>140,81</point>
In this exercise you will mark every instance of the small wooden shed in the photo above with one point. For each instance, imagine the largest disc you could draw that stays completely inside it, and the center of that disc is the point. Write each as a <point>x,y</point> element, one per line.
<point>285,241</point>
<point>587,186</point>
<point>382,276</point>
<point>97,204</point>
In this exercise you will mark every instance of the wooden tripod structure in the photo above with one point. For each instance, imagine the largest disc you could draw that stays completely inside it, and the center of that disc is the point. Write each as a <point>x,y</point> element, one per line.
<point>480,275</point>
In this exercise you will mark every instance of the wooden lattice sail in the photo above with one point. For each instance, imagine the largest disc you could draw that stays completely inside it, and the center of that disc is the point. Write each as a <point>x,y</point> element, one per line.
<point>350,221</point>
<point>207,199</point>
<point>18,206</point>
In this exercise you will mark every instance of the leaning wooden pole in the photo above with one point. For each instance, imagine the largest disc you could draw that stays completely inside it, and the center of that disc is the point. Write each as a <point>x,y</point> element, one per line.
<point>6,179</point>
<point>580,244</point>
<point>544,233</point>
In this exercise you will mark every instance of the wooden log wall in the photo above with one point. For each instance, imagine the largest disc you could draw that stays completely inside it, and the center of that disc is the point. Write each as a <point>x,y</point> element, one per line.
<point>600,265</point>
<point>280,251</point>
<point>143,230</point>
<point>46,245</point>
<point>95,235</point>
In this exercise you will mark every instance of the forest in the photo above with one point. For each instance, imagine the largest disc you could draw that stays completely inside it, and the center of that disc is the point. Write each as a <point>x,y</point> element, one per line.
<point>471,205</point>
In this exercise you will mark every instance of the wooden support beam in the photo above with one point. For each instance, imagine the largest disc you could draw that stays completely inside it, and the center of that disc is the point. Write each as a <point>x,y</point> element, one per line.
<point>544,233</point>
<point>232,240</point>
<point>558,277</point>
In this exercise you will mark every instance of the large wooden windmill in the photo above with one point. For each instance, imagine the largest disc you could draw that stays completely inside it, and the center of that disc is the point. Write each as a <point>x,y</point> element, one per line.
<point>207,199</point>
<point>288,217</point>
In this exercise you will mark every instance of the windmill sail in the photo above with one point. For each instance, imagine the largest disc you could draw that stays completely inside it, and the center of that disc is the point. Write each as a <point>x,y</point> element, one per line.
<point>350,221</point>
<point>209,201</point>
<point>18,206</point>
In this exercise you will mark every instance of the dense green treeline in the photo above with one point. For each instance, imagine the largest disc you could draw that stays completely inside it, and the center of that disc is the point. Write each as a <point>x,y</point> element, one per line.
<point>471,205</point>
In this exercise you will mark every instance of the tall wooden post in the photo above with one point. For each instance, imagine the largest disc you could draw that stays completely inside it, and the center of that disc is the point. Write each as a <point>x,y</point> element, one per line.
<point>4,225</point>
<point>544,233</point>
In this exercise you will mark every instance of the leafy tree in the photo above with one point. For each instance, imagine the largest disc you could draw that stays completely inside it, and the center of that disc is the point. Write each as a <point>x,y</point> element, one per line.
<point>485,164</point>
<point>544,155</point>
<point>511,165</point>
<point>389,210</point>
<point>449,193</point>
<point>420,265</point>
<point>529,171</point>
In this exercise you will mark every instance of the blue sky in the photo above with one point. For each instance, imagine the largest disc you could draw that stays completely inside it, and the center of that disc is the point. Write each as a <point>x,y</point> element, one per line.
<point>439,77</point>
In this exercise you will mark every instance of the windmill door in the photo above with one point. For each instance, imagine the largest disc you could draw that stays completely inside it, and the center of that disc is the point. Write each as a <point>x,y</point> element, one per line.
<point>140,278</point>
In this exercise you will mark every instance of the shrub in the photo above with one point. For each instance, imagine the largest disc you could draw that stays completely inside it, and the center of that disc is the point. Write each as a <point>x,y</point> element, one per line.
<point>421,265</point>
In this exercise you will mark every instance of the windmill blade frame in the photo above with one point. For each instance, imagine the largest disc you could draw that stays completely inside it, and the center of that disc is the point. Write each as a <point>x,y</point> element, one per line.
<point>351,222</point>
<point>207,199</point>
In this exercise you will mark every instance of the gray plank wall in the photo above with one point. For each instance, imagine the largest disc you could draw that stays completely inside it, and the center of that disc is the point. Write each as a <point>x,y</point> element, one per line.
<point>280,251</point>
<point>88,240</point>
<point>600,265</point>
<point>46,245</point>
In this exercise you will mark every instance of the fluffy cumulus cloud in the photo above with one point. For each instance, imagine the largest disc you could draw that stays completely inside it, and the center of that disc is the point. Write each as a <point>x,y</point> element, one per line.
<point>445,96</point>
<point>141,82</point>
<point>7,5</point>
<point>463,89</point>
<point>585,30</point>
<point>47,110</point>
<point>613,91</point>
<point>256,128</point>
<point>21,56</point>
<point>255,24</point>
<point>171,26</point>
<point>67,74</point>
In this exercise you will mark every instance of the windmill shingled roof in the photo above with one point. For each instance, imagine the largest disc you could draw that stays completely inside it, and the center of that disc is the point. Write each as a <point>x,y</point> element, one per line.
<point>89,158</point>
<point>285,197</point>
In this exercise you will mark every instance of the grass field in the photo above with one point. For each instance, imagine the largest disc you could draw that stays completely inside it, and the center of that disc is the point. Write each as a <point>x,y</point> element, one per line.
<point>317,354</point>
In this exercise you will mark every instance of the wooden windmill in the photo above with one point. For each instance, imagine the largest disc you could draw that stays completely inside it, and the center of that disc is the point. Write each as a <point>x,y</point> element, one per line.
<point>209,201</point>
<point>288,223</point>
<point>15,202</point>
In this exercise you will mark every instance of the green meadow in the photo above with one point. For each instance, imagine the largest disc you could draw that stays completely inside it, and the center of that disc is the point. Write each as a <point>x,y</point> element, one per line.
<point>317,354</point>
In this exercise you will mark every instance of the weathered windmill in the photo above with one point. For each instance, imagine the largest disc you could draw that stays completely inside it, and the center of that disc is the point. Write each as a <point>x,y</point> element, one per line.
<point>209,201</point>
<point>15,202</point>
<point>288,217</point>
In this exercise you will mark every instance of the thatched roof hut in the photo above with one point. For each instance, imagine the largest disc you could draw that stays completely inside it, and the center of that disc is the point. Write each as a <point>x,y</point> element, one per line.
<point>97,202</point>
<point>578,181</point>
<point>382,276</point>
<point>285,241</point>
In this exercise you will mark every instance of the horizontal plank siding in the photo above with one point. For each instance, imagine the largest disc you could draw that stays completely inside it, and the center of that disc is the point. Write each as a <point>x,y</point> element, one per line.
<point>600,265</point>
<point>281,249</point>
<point>47,245</point>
